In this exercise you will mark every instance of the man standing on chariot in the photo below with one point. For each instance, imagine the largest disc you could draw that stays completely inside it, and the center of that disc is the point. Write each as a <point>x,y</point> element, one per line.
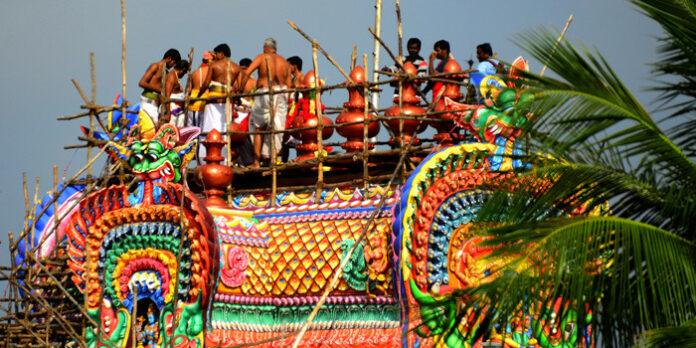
<point>267,113</point>
<point>216,84</point>
<point>174,109</point>
<point>197,77</point>
<point>151,83</point>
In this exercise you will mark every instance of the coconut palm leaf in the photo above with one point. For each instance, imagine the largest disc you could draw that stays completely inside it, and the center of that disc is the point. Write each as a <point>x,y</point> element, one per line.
<point>635,270</point>
<point>559,186</point>
<point>683,336</point>
<point>631,276</point>
<point>677,52</point>
<point>586,99</point>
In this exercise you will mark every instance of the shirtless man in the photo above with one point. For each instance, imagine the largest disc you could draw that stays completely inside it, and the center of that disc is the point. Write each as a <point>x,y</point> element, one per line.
<point>243,108</point>
<point>197,77</point>
<point>262,117</point>
<point>151,83</point>
<point>174,110</point>
<point>250,84</point>
<point>215,83</point>
<point>297,79</point>
<point>296,71</point>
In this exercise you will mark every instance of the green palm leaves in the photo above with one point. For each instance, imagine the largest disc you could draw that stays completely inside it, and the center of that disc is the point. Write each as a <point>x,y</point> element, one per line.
<point>633,268</point>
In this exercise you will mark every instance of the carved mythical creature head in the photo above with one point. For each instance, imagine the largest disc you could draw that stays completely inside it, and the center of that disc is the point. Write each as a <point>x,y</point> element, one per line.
<point>163,156</point>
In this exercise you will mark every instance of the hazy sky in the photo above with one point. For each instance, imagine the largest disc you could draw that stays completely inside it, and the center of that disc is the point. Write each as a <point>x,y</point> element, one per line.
<point>47,43</point>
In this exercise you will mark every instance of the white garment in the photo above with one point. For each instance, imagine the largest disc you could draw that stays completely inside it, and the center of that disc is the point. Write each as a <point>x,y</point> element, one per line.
<point>214,118</point>
<point>176,110</point>
<point>261,118</point>
<point>149,108</point>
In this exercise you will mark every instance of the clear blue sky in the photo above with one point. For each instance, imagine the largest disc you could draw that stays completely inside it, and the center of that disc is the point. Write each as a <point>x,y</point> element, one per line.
<point>46,43</point>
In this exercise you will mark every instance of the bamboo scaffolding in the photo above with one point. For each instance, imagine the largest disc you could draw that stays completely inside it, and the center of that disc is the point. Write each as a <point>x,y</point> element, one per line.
<point>48,311</point>
<point>320,126</point>
<point>102,109</point>
<point>180,252</point>
<point>376,51</point>
<point>366,123</point>
<point>274,158</point>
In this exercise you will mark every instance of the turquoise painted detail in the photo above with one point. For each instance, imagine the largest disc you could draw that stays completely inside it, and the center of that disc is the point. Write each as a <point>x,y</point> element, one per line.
<point>271,315</point>
<point>354,272</point>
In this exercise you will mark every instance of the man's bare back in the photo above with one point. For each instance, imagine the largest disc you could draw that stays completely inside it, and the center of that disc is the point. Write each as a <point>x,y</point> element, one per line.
<point>198,76</point>
<point>217,72</point>
<point>152,79</point>
<point>277,66</point>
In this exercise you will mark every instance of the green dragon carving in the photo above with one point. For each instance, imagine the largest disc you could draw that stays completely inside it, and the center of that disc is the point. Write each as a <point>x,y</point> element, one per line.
<point>354,271</point>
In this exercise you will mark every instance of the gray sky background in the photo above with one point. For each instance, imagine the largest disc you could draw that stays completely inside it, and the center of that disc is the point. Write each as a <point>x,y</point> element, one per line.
<point>47,43</point>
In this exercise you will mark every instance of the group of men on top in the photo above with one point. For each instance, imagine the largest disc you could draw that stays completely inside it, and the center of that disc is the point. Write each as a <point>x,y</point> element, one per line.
<point>218,75</point>
<point>442,55</point>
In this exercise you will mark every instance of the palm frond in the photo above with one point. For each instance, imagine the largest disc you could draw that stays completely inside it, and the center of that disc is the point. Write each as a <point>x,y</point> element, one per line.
<point>683,336</point>
<point>553,187</point>
<point>678,50</point>
<point>631,276</point>
<point>590,105</point>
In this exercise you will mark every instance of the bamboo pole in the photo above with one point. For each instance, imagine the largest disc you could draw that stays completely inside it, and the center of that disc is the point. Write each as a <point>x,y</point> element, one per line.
<point>25,232</point>
<point>163,92</point>
<point>123,57</point>
<point>56,214</point>
<point>400,32</point>
<point>79,90</point>
<point>27,210</point>
<point>366,123</point>
<point>101,108</point>
<point>313,162</point>
<point>134,313</point>
<point>14,290</point>
<point>92,101</point>
<point>93,110</point>
<point>353,182</point>
<point>274,158</point>
<point>353,57</point>
<point>375,49</point>
<point>28,288</point>
<point>187,97</point>
<point>84,194</point>
<point>67,294</point>
<point>352,83</point>
<point>313,41</point>
<point>228,117</point>
<point>183,235</point>
<point>36,217</point>
<point>558,41</point>
<point>320,126</point>
<point>396,60</point>
<point>346,258</point>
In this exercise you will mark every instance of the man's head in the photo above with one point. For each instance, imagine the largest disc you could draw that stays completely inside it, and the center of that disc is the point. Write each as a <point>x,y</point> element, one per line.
<point>207,57</point>
<point>484,51</point>
<point>181,67</point>
<point>222,51</point>
<point>171,57</point>
<point>413,46</point>
<point>244,63</point>
<point>442,48</point>
<point>295,63</point>
<point>270,45</point>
